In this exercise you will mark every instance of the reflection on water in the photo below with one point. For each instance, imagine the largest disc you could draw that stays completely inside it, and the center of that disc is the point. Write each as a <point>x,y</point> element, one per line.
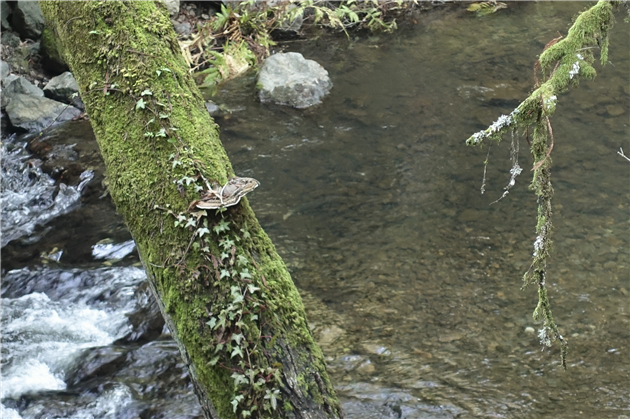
<point>373,200</point>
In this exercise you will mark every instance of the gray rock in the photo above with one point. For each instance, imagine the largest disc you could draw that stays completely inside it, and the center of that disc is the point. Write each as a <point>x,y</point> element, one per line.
<point>290,79</point>
<point>172,6</point>
<point>38,113</point>
<point>183,28</point>
<point>6,81</point>
<point>212,108</point>
<point>4,70</point>
<point>292,26</point>
<point>17,85</point>
<point>5,12</point>
<point>64,88</point>
<point>10,39</point>
<point>27,19</point>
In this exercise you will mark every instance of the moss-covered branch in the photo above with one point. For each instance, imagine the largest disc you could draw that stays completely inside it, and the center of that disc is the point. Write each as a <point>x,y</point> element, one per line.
<point>562,64</point>
<point>226,295</point>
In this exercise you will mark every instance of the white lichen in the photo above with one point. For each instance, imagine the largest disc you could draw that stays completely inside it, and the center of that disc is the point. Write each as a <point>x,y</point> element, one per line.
<point>550,103</point>
<point>499,124</point>
<point>575,69</point>
<point>543,336</point>
<point>538,245</point>
<point>478,136</point>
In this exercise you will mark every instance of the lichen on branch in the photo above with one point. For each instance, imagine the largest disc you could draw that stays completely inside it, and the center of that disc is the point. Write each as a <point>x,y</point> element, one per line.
<point>562,64</point>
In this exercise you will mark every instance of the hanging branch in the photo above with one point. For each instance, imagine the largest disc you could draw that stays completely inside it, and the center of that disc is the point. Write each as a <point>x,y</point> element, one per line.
<point>562,63</point>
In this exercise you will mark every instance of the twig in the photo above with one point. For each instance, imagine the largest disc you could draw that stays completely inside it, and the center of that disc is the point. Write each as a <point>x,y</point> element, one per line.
<point>620,152</point>
<point>540,163</point>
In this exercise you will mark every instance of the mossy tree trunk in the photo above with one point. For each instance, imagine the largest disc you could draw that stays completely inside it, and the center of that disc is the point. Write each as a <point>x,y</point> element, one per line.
<point>225,293</point>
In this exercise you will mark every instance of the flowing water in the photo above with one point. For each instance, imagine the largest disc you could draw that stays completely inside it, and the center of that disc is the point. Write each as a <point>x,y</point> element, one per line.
<point>411,276</point>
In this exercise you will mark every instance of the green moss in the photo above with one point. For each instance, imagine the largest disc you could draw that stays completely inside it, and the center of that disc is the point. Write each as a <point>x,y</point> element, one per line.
<point>129,49</point>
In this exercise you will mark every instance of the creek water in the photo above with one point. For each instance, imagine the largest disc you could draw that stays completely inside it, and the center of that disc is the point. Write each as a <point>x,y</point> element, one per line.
<point>411,277</point>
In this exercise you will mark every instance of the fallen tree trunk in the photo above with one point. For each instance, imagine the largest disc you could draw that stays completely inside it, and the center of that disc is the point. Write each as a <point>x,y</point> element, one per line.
<point>225,294</point>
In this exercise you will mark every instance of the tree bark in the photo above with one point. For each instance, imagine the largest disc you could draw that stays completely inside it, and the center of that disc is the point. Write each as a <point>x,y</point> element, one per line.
<point>224,292</point>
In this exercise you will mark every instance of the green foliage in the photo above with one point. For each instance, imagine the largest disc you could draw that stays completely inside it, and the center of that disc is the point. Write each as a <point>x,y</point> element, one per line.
<point>235,315</point>
<point>242,30</point>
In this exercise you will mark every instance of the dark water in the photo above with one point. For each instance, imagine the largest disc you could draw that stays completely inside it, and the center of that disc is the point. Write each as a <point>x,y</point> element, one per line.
<point>410,277</point>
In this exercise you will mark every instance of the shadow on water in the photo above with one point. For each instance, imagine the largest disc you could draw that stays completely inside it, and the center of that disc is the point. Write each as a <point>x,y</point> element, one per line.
<point>410,277</point>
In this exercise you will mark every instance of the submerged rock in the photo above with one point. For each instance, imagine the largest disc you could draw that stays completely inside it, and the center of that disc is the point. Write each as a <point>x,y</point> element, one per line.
<point>290,79</point>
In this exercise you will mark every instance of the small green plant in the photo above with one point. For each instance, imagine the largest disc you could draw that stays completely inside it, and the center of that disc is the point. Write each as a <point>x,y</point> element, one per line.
<point>235,316</point>
<point>240,35</point>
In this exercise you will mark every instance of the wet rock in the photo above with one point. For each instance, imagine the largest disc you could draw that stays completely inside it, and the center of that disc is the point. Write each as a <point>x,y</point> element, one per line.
<point>14,85</point>
<point>183,28</point>
<point>5,12</point>
<point>369,401</point>
<point>290,79</point>
<point>615,110</point>
<point>329,334</point>
<point>103,361</point>
<point>376,349</point>
<point>64,88</point>
<point>172,6</point>
<point>27,19</point>
<point>449,337</point>
<point>147,321</point>
<point>366,367</point>
<point>10,39</point>
<point>212,108</point>
<point>37,113</point>
<point>291,27</point>
<point>4,70</point>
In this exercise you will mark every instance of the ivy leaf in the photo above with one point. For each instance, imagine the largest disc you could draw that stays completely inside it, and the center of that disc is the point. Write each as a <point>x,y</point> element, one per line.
<point>202,231</point>
<point>245,274</point>
<point>272,396</point>
<point>214,361</point>
<point>191,222</point>
<point>224,273</point>
<point>222,226</point>
<point>146,92</point>
<point>252,288</point>
<point>227,243</point>
<point>237,351</point>
<point>241,260</point>
<point>140,104</point>
<point>238,337</point>
<point>235,401</point>
<point>212,322</point>
<point>161,133</point>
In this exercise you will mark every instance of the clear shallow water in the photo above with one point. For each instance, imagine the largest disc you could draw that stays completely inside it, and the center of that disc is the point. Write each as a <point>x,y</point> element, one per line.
<point>411,279</point>
<point>373,200</point>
